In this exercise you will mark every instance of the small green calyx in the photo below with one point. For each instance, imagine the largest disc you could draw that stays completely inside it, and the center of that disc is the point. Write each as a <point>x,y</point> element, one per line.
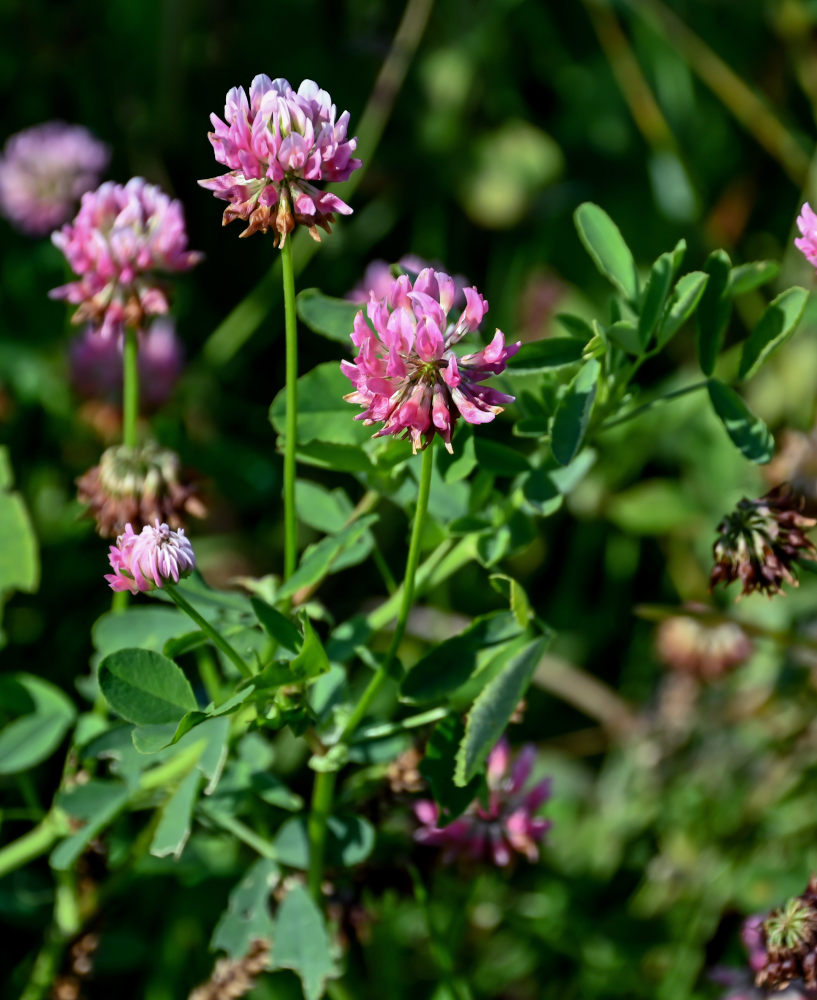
<point>790,927</point>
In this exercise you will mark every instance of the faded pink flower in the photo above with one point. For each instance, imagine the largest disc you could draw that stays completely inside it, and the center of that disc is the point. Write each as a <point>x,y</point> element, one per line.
<point>121,240</point>
<point>807,224</point>
<point>406,373</point>
<point>276,143</point>
<point>96,364</point>
<point>508,824</point>
<point>44,171</point>
<point>156,555</point>
<point>379,277</point>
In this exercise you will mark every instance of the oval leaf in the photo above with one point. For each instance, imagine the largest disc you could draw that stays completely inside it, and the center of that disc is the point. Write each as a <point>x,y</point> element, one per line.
<point>655,295</point>
<point>323,413</point>
<point>332,318</point>
<point>685,297</point>
<point>714,310</point>
<point>145,687</point>
<point>775,326</point>
<point>492,710</point>
<point>573,414</point>
<point>748,433</point>
<point>605,244</point>
<point>746,277</point>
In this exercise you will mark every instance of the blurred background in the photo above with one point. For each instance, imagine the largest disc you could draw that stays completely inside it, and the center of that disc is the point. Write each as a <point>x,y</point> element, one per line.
<point>680,804</point>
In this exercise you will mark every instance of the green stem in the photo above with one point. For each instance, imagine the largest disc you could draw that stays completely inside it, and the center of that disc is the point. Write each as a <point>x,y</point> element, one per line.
<point>241,831</point>
<point>322,792</point>
<point>379,679</point>
<point>324,787</point>
<point>383,730</point>
<point>653,402</point>
<point>31,845</point>
<point>290,521</point>
<point>46,966</point>
<point>216,636</point>
<point>130,387</point>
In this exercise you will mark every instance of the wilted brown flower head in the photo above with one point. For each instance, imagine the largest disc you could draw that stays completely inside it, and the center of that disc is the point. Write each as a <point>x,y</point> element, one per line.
<point>136,486</point>
<point>790,939</point>
<point>760,542</point>
<point>696,647</point>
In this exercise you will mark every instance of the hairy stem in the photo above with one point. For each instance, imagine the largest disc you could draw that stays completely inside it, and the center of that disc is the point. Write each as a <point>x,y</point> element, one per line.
<point>290,520</point>
<point>216,636</point>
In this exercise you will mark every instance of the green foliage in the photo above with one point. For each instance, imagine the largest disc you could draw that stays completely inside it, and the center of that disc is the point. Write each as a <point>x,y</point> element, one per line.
<point>19,555</point>
<point>350,840</point>
<point>94,805</point>
<point>748,433</point>
<point>145,687</point>
<point>332,318</point>
<point>776,325</point>
<point>603,241</point>
<point>247,917</point>
<point>572,416</point>
<point>301,942</point>
<point>715,310</point>
<point>437,767</point>
<point>493,708</point>
<point>40,714</point>
<point>323,414</point>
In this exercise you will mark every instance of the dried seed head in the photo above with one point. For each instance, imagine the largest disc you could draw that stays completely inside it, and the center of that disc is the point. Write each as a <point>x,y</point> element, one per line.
<point>760,542</point>
<point>137,486</point>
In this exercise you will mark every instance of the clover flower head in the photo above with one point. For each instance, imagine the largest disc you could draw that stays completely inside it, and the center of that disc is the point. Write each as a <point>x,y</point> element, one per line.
<point>406,372</point>
<point>760,542</point>
<point>156,555</point>
<point>806,243</point>
<point>506,825</point>
<point>96,363</point>
<point>277,143</point>
<point>44,171</point>
<point>122,239</point>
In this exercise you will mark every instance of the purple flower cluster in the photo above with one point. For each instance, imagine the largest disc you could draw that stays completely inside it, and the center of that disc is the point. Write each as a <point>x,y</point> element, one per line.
<point>276,144</point>
<point>807,224</point>
<point>96,364</point>
<point>156,555</point>
<point>508,824</point>
<point>44,171</point>
<point>406,373</point>
<point>121,239</point>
